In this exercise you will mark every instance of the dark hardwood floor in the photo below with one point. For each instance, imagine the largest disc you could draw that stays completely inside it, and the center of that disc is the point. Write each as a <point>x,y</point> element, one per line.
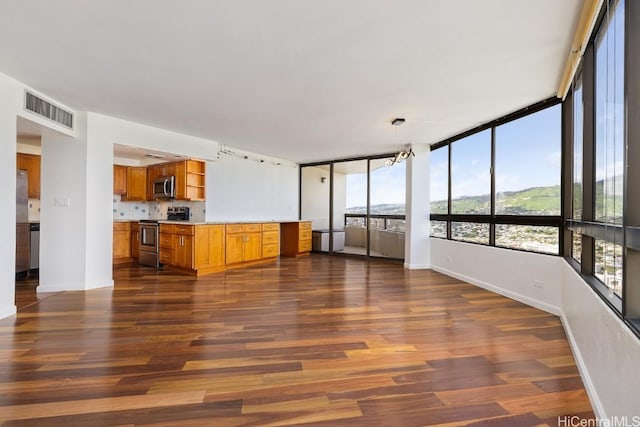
<point>318,341</point>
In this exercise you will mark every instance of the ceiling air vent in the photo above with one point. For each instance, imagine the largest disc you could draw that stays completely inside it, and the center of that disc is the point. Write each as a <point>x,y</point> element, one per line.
<point>46,109</point>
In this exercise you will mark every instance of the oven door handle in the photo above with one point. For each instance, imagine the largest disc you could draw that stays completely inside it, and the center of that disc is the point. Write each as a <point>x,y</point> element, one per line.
<point>143,235</point>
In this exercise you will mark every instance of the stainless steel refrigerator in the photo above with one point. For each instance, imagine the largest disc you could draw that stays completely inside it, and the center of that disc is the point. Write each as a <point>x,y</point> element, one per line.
<point>22,224</point>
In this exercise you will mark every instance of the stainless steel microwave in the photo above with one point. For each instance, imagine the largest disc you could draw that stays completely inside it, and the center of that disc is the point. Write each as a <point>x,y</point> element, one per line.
<point>164,187</point>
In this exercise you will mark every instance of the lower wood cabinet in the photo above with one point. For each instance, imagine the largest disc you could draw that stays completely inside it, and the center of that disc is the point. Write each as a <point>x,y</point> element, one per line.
<point>135,240</point>
<point>207,248</point>
<point>243,243</point>
<point>270,240</point>
<point>121,241</point>
<point>295,238</point>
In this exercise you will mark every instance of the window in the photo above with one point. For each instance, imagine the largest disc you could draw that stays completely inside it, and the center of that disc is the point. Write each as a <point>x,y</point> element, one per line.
<point>609,116</point>
<point>528,237</point>
<point>608,266</point>
<point>439,181</point>
<point>470,174</point>
<point>578,124</point>
<point>470,232</point>
<point>518,206</point>
<point>527,165</point>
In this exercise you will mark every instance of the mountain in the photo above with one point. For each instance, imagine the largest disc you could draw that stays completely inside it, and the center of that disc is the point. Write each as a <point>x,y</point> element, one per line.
<point>531,201</point>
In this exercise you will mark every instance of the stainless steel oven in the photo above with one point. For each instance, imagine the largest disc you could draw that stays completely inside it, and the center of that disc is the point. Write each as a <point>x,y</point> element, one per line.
<point>149,241</point>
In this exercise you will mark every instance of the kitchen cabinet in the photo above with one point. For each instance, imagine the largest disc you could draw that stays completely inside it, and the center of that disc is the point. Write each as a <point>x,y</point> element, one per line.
<point>30,163</point>
<point>121,241</point>
<point>209,252</point>
<point>176,245</point>
<point>135,240</point>
<point>136,184</point>
<point>295,238</point>
<point>190,180</point>
<point>270,240</point>
<point>243,243</point>
<point>119,179</point>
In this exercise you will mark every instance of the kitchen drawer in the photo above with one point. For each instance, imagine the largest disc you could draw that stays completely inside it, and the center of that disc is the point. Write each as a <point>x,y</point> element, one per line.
<point>252,228</point>
<point>304,235</point>
<point>167,228</point>
<point>270,237</point>
<point>304,245</point>
<point>271,250</point>
<point>166,240</point>
<point>186,230</point>
<point>234,228</point>
<point>272,226</point>
<point>305,225</point>
<point>121,226</point>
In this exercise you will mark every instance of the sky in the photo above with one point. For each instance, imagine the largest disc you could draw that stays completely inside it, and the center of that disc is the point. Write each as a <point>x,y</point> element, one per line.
<point>527,155</point>
<point>387,186</point>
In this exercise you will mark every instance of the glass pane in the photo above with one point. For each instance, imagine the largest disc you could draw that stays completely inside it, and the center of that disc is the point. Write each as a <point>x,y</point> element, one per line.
<point>439,229</point>
<point>528,237</point>
<point>609,116</point>
<point>576,247</point>
<point>470,174</point>
<point>439,180</point>
<point>470,232</point>
<point>387,198</point>
<point>608,266</point>
<point>578,114</point>
<point>350,207</point>
<point>527,164</point>
<point>314,186</point>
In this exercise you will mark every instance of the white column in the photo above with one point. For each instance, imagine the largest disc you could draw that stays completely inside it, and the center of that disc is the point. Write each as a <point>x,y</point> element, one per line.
<point>417,243</point>
<point>8,206</point>
<point>76,211</point>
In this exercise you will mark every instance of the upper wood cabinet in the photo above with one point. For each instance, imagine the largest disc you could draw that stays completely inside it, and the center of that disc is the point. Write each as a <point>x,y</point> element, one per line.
<point>119,179</point>
<point>31,163</point>
<point>136,184</point>
<point>190,180</point>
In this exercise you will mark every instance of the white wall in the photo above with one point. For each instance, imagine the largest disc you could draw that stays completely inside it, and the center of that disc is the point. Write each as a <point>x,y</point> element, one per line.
<point>138,135</point>
<point>606,351</point>
<point>246,190</point>
<point>315,197</point>
<point>63,228</point>
<point>533,279</point>
<point>9,92</point>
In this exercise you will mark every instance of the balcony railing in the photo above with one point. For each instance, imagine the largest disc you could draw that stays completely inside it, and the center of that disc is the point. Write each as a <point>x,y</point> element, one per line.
<point>386,234</point>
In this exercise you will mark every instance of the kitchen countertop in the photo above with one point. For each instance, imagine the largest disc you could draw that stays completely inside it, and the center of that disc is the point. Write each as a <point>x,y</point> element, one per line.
<point>267,221</point>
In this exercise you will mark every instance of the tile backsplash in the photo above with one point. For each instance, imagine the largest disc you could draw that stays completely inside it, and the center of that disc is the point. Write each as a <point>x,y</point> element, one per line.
<point>154,210</point>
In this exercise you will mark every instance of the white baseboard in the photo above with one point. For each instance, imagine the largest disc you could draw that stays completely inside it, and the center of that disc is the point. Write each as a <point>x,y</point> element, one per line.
<point>596,404</point>
<point>7,311</point>
<point>509,294</point>
<point>417,266</point>
<point>78,286</point>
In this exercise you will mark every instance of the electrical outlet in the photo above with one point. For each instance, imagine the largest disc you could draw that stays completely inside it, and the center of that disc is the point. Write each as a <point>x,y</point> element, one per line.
<point>449,259</point>
<point>538,284</point>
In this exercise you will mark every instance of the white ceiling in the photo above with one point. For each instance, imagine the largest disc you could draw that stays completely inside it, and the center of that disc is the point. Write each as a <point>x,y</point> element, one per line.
<point>299,80</point>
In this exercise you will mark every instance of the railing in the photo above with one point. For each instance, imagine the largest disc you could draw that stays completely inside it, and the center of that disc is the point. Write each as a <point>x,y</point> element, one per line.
<point>378,221</point>
<point>385,234</point>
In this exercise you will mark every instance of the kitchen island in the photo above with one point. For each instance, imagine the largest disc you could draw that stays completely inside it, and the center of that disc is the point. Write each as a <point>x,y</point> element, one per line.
<point>200,248</point>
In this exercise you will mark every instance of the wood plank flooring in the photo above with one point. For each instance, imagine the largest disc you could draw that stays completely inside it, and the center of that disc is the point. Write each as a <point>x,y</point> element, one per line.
<point>314,341</point>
